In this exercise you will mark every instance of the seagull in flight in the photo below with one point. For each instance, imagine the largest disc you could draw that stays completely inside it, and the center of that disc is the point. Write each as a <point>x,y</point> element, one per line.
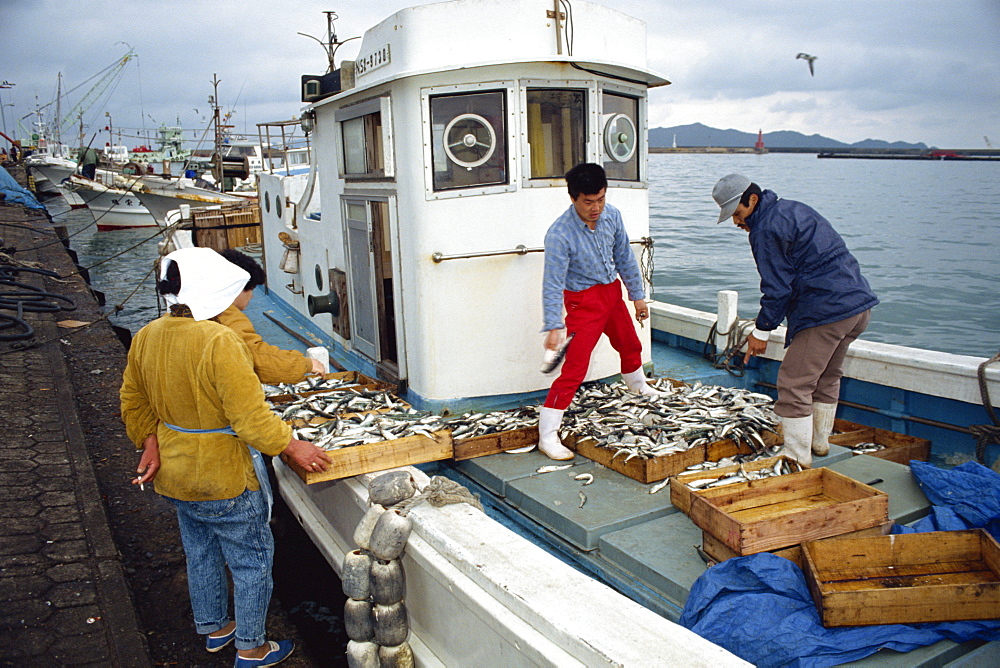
<point>809,59</point>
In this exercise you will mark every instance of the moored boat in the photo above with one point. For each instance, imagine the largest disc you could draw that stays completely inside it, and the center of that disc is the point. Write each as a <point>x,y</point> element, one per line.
<point>160,196</point>
<point>56,170</point>
<point>113,207</point>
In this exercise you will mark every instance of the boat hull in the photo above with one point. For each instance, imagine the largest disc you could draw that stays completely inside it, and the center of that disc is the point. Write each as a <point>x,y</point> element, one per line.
<point>513,597</point>
<point>113,209</point>
<point>162,201</point>
<point>57,174</point>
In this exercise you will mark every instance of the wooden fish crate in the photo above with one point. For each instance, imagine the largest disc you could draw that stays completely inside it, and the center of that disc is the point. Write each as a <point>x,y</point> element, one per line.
<point>227,226</point>
<point>354,380</point>
<point>491,444</point>
<point>319,419</point>
<point>899,448</point>
<point>913,578</point>
<point>680,493</point>
<point>643,470</point>
<point>372,457</point>
<point>773,513</point>
<point>729,448</point>
<point>719,551</point>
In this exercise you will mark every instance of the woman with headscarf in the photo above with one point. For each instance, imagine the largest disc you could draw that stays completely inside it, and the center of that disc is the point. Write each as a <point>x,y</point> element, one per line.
<point>192,404</point>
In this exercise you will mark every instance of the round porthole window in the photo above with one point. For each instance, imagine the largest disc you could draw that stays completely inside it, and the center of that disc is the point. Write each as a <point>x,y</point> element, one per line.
<point>619,138</point>
<point>319,278</point>
<point>469,140</point>
<point>277,206</point>
<point>267,202</point>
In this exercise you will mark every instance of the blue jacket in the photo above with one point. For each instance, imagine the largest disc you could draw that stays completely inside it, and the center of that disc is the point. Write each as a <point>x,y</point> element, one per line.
<point>806,272</point>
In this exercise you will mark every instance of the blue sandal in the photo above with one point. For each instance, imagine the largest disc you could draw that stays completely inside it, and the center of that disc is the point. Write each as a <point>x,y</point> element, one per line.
<point>215,644</point>
<point>279,652</point>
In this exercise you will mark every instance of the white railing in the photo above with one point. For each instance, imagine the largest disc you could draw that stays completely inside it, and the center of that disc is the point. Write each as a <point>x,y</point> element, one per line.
<point>928,372</point>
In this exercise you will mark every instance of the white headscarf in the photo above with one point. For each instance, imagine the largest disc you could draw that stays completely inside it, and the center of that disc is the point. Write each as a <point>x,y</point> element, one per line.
<point>209,282</point>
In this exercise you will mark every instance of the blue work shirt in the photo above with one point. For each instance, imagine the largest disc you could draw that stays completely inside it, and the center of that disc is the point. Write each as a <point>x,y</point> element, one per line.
<point>806,272</point>
<point>577,258</point>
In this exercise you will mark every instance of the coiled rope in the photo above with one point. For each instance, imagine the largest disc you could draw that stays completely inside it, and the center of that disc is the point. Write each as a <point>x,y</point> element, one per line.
<point>736,336</point>
<point>440,491</point>
<point>986,434</point>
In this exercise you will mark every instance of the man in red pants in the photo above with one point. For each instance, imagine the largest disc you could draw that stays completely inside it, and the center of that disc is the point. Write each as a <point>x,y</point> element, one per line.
<point>586,250</point>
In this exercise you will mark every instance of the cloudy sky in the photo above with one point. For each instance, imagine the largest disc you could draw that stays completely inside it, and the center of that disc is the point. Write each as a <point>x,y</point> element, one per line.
<point>898,70</point>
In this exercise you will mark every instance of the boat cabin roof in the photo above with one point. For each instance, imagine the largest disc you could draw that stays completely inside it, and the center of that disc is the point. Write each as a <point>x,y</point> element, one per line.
<point>463,34</point>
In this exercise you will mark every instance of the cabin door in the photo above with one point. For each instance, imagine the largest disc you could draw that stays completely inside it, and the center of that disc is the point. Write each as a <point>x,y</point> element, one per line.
<point>370,255</point>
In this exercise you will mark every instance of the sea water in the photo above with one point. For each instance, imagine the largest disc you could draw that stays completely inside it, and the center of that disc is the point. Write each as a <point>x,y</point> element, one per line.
<point>924,232</point>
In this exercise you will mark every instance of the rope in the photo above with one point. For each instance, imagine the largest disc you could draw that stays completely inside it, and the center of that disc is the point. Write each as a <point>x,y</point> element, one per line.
<point>440,491</point>
<point>646,264</point>
<point>986,434</point>
<point>736,336</point>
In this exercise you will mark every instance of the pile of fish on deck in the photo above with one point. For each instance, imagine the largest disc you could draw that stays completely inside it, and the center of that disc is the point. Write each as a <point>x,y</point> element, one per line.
<point>336,414</point>
<point>639,426</point>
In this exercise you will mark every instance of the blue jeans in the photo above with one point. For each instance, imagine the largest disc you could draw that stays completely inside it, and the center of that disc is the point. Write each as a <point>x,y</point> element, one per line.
<point>235,533</point>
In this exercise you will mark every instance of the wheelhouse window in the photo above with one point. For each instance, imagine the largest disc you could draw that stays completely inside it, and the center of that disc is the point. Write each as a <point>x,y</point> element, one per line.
<point>620,136</point>
<point>363,146</point>
<point>363,139</point>
<point>557,127</point>
<point>469,139</point>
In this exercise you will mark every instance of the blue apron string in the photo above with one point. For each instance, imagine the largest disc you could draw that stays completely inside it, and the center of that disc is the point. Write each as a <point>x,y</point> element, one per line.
<point>259,467</point>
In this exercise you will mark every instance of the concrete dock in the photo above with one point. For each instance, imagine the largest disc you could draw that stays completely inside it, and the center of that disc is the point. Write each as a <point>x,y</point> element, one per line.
<point>64,599</point>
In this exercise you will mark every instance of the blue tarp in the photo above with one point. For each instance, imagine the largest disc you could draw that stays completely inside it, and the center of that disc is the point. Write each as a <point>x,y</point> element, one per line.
<point>965,497</point>
<point>15,193</point>
<point>759,607</point>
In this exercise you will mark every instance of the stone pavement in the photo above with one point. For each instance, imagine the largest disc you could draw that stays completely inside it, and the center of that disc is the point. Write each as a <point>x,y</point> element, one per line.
<point>63,593</point>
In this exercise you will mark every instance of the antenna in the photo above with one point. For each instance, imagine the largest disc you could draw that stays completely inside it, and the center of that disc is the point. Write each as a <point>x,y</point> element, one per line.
<point>332,43</point>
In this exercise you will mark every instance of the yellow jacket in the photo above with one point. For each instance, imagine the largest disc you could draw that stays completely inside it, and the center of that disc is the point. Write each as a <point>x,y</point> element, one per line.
<point>198,375</point>
<point>272,364</point>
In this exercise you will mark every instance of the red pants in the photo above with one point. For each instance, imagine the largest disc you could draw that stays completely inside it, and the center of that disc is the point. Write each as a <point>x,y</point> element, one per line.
<point>590,313</point>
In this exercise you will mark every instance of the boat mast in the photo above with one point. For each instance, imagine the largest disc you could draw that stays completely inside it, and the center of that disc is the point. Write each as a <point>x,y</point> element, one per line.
<point>331,44</point>
<point>58,132</point>
<point>216,120</point>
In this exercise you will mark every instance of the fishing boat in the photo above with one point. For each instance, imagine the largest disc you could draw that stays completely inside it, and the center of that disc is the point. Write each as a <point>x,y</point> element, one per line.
<point>413,250</point>
<point>170,156</point>
<point>112,200</point>
<point>161,195</point>
<point>56,170</point>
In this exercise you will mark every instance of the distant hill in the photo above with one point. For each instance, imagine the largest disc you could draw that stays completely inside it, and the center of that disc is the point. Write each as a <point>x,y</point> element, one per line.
<point>697,134</point>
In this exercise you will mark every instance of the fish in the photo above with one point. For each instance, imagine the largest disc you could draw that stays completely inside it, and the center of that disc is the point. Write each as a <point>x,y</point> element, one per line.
<point>583,499</point>
<point>550,469</point>
<point>727,480</point>
<point>635,426</point>
<point>658,486</point>
<point>868,446</point>
<point>587,478</point>
<point>699,483</point>
<point>552,358</point>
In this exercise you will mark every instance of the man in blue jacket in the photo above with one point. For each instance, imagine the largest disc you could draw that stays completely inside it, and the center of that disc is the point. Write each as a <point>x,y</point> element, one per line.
<point>808,276</point>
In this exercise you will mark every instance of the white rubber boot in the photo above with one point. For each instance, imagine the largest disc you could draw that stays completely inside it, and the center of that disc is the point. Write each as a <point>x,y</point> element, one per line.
<point>823,416</point>
<point>549,420</point>
<point>636,382</point>
<point>798,438</point>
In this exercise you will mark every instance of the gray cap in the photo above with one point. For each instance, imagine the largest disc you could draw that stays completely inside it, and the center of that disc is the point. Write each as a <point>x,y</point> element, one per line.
<point>727,193</point>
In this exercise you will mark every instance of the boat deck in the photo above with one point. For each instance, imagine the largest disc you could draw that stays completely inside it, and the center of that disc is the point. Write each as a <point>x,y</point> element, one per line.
<point>634,541</point>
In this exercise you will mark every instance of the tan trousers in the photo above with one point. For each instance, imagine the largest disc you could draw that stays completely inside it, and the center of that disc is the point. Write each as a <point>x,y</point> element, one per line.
<point>814,364</point>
